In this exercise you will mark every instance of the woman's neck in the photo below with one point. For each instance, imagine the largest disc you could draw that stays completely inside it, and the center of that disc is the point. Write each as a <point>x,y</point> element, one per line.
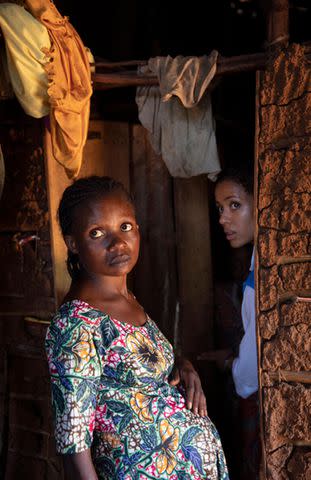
<point>91,288</point>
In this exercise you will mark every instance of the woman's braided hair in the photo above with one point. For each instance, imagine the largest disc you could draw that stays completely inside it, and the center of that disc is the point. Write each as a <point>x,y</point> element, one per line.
<point>81,192</point>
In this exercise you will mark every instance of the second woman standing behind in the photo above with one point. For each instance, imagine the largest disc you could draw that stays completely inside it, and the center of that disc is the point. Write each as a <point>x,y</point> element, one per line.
<point>235,204</point>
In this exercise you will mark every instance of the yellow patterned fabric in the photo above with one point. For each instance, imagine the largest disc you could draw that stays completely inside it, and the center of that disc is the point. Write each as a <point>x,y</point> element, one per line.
<point>25,38</point>
<point>69,87</point>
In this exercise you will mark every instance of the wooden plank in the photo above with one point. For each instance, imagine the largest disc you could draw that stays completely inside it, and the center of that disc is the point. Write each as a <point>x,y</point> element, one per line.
<point>154,279</point>
<point>107,151</point>
<point>194,263</point>
<point>57,181</point>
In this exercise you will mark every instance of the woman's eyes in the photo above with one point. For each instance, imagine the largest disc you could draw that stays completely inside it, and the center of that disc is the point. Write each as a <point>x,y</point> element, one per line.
<point>235,205</point>
<point>126,227</point>
<point>96,233</point>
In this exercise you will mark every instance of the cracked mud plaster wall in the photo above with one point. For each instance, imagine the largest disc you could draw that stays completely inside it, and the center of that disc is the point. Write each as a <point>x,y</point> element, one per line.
<point>284,254</point>
<point>26,281</point>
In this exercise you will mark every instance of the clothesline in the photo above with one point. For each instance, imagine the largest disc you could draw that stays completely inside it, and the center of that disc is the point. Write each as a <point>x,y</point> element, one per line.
<point>118,74</point>
<point>125,77</point>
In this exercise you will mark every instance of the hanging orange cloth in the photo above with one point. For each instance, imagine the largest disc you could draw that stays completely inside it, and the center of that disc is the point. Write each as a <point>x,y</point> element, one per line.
<point>69,88</point>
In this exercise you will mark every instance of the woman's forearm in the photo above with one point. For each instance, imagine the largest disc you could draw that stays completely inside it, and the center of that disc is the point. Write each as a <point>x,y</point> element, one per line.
<point>79,466</point>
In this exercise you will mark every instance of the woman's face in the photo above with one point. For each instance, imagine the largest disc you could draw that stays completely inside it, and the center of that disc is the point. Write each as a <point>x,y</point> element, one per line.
<point>105,236</point>
<point>236,215</point>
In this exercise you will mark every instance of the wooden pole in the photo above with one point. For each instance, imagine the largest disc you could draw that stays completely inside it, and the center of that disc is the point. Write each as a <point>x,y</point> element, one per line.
<point>118,77</point>
<point>126,78</point>
<point>277,22</point>
<point>287,376</point>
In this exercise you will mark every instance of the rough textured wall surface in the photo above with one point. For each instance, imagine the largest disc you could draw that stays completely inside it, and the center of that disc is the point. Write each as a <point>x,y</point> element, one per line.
<point>26,291</point>
<point>284,263</point>
<point>26,281</point>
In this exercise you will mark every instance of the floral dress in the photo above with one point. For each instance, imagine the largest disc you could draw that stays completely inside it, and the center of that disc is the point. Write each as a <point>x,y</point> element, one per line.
<point>111,393</point>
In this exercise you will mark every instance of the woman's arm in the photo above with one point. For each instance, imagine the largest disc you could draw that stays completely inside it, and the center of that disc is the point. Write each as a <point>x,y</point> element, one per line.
<point>185,372</point>
<point>79,466</point>
<point>74,382</point>
<point>245,368</point>
<point>223,358</point>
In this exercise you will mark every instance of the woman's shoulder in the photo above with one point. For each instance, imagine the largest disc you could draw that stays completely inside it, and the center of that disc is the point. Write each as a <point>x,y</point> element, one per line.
<point>76,312</point>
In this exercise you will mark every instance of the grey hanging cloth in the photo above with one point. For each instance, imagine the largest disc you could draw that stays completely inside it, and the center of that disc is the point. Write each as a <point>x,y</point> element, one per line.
<point>178,114</point>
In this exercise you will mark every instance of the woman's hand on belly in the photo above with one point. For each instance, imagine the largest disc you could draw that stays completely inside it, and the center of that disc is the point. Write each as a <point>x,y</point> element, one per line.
<point>185,373</point>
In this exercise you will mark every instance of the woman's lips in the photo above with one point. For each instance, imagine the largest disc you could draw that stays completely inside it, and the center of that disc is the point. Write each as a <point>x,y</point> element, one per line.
<point>230,235</point>
<point>119,259</point>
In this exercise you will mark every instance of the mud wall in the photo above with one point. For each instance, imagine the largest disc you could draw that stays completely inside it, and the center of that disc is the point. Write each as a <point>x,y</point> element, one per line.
<point>27,299</point>
<point>284,263</point>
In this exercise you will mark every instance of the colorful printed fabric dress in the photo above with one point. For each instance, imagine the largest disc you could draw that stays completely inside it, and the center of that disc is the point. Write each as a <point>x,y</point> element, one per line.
<point>111,394</point>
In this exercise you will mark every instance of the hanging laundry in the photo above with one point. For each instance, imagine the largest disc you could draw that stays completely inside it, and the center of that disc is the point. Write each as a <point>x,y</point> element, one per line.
<point>178,114</point>
<point>69,88</point>
<point>25,38</point>
<point>6,89</point>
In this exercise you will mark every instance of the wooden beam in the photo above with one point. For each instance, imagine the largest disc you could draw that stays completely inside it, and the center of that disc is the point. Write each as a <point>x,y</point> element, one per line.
<point>300,443</point>
<point>126,78</point>
<point>193,240</point>
<point>117,76</point>
<point>277,22</point>
<point>287,376</point>
<point>155,275</point>
<point>285,260</point>
<point>56,181</point>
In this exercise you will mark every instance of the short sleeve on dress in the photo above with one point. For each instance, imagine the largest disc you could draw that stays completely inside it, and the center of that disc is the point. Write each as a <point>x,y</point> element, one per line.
<point>75,371</point>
